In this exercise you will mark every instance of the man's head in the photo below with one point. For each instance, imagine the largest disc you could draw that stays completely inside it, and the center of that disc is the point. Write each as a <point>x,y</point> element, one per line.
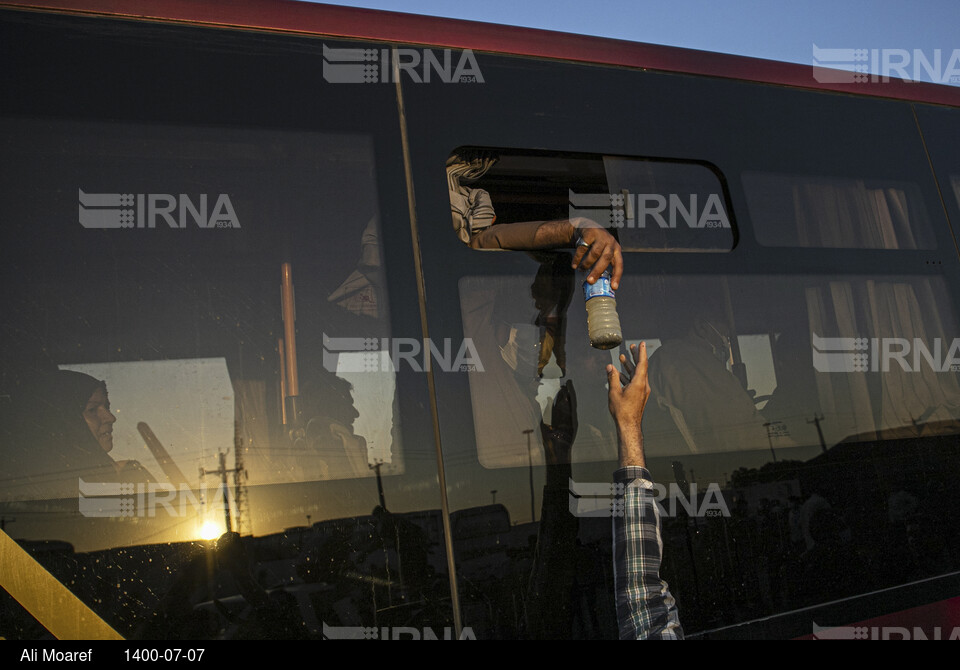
<point>716,334</point>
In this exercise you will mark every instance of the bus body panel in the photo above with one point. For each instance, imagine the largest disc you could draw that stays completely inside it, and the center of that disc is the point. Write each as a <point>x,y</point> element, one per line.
<point>387,424</point>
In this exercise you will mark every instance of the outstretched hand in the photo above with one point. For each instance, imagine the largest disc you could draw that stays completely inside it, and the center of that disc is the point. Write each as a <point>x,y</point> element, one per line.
<point>626,403</point>
<point>598,251</point>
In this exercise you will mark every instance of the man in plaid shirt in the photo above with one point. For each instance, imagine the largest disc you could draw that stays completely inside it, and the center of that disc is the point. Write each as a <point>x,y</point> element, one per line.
<point>645,608</point>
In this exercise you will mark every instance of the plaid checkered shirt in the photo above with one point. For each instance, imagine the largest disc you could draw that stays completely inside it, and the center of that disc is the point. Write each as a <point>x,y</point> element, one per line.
<point>645,608</point>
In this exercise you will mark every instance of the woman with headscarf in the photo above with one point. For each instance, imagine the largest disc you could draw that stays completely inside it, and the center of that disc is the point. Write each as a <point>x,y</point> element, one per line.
<point>64,431</point>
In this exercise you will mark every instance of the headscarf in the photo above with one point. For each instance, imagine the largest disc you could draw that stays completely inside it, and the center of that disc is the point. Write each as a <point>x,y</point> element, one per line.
<point>471,208</point>
<point>50,446</point>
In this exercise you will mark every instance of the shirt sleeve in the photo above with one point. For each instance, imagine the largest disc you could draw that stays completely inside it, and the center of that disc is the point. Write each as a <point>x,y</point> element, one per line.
<point>516,236</point>
<point>646,610</point>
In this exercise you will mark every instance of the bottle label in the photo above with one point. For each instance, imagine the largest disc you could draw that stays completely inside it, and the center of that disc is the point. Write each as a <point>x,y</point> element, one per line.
<point>600,288</point>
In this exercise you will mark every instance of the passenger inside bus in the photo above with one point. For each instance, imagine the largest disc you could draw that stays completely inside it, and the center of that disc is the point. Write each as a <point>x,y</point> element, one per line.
<point>704,400</point>
<point>475,222</point>
<point>331,450</point>
<point>64,431</point>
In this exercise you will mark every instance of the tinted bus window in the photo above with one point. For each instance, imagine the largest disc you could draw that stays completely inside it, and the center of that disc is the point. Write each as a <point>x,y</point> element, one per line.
<point>651,205</point>
<point>844,213</point>
<point>170,256</point>
<point>800,394</point>
<point>675,206</point>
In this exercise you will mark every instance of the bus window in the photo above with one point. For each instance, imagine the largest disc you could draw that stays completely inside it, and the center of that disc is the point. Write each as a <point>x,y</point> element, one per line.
<point>209,277</point>
<point>716,385</point>
<point>835,212</point>
<point>764,387</point>
<point>670,206</point>
<point>762,383</point>
<point>150,261</point>
<point>652,205</point>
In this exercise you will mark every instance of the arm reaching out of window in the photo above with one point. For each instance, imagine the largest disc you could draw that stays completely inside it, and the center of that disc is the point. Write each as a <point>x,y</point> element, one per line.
<point>597,250</point>
<point>474,220</point>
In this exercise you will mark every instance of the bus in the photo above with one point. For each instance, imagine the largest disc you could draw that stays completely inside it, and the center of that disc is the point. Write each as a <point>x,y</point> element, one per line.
<point>255,385</point>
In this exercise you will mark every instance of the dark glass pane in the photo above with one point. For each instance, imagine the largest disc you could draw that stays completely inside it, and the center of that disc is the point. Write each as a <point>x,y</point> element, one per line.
<point>651,205</point>
<point>837,212</point>
<point>670,206</point>
<point>750,348</point>
<point>144,244</point>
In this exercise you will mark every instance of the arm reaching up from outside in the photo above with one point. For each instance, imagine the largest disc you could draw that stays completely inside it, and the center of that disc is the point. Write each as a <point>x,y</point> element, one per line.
<point>646,610</point>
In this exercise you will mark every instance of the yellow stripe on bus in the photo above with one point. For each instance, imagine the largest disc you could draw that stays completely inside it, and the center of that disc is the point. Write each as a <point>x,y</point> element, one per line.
<point>46,599</point>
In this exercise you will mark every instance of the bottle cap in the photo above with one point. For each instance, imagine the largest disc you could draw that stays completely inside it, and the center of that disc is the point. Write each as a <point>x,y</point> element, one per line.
<point>600,288</point>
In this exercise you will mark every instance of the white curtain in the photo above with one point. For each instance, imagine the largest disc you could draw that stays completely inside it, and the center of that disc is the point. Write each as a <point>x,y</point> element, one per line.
<point>903,402</point>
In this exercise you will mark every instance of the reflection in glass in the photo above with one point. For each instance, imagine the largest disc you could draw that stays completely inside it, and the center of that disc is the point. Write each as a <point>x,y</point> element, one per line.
<point>520,376</point>
<point>331,522</point>
<point>821,411</point>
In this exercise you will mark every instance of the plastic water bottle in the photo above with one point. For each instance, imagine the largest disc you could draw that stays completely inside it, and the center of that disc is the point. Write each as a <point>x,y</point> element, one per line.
<point>603,322</point>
